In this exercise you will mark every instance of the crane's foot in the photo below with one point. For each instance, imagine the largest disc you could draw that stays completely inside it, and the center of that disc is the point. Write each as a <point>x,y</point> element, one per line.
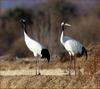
<point>38,73</point>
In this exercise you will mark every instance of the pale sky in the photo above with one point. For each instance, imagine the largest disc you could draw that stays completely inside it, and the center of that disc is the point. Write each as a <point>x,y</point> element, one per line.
<point>82,4</point>
<point>13,3</point>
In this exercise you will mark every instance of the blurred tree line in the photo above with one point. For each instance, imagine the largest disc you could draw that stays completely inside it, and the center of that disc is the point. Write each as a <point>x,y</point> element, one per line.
<point>44,26</point>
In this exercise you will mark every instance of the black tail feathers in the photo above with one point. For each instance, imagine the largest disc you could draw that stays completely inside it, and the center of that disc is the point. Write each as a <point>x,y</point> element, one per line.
<point>84,51</point>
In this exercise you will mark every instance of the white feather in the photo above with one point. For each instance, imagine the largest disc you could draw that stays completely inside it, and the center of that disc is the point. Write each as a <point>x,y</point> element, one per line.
<point>73,46</point>
<point>33,45</point>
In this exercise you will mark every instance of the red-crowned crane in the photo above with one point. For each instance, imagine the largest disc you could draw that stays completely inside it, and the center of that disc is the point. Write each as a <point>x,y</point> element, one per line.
<point>35,47</point>
<point>73,47</point>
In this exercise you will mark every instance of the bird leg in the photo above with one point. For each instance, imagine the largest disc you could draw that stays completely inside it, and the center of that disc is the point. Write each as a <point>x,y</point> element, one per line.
<point>37,67</point>
<point>70,65</point>
<point>75,64</point>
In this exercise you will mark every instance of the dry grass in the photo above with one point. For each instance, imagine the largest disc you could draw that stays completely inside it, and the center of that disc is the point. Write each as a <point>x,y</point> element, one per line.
<point>90,79</point>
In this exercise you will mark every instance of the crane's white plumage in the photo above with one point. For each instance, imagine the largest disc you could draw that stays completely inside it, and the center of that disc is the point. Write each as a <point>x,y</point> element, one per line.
<point>35,47</point>
<point>72,46</point>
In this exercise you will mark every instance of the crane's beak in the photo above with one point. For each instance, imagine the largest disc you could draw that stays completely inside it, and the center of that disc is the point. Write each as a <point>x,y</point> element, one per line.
<point>66,24</point>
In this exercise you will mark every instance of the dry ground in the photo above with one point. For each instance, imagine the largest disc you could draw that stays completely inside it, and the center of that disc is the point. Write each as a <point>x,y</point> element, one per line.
<point>88,78</point>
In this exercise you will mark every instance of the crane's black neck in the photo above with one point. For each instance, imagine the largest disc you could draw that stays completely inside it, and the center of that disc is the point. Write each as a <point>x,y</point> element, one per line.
<point>62,27</point>
<point>24,27</point>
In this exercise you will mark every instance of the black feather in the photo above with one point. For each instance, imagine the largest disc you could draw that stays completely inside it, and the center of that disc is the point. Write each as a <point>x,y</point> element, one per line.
<point>45,54</point>
<point>84,51</point>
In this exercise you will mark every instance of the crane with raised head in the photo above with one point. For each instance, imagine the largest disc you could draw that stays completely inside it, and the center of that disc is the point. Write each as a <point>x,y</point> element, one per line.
<point>72,46</point>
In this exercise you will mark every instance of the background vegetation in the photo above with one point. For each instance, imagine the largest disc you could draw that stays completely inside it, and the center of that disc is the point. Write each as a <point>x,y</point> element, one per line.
<point>44,26</point>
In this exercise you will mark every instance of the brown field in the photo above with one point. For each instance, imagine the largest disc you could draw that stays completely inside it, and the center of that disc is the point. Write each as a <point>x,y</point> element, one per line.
<point>20,72</point>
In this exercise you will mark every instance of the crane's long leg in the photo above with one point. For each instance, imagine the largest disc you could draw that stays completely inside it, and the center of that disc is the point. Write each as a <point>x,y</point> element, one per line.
<point>70,65</point>
<point>75,64</point>
<point>36,67</point>
<point>39,67</point>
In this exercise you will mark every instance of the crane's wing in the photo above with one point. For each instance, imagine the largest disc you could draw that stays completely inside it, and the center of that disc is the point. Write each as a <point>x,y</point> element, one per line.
<point>33,45</point>
<point>74,46</point>
<point>67,38</point>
